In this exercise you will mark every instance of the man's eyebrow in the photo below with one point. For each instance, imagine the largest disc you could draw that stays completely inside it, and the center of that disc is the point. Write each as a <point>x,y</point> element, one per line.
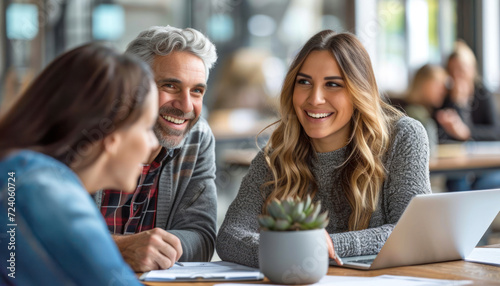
<point>168,80</point>
<point>176,80</point>
<point>201,85</point>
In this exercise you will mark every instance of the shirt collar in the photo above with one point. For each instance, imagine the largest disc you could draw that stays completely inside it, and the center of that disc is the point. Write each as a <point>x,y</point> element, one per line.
<point>170,152</point>
<point>162,155</point>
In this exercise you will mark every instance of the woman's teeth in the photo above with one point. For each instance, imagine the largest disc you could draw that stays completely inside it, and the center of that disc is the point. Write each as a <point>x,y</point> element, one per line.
<point>318,115</point>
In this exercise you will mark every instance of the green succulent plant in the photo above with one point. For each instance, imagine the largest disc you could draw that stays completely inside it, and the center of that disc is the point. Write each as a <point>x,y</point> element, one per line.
<point>293,214</point>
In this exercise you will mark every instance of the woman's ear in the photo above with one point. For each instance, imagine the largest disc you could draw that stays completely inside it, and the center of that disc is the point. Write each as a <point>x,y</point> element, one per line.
<point>111,143</point>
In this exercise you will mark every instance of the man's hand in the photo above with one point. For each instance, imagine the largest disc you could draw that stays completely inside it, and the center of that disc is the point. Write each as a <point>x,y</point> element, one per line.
<point>149,250</point>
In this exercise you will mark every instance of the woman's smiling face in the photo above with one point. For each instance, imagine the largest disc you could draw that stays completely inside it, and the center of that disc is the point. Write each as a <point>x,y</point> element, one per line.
<point>322,103</point>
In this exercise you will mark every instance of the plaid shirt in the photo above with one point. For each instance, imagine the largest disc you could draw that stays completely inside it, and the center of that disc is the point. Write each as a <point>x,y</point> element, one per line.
<point>116,208</point>
<point>186,200</point>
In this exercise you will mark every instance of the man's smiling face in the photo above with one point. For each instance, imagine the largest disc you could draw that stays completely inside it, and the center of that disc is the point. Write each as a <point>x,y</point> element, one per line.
<point>181,81</point>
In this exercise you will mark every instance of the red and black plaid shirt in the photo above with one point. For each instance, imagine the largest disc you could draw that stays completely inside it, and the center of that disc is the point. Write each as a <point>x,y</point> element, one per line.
<point>116,208</point>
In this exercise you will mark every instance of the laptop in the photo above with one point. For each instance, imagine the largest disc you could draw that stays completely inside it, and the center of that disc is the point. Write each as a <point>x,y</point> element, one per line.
<point>434,228</point>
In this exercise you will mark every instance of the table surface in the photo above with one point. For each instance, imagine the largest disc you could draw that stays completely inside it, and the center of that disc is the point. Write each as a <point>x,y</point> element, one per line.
<point>450,162</point>
<point>465,163</point>
<point>480,274</point>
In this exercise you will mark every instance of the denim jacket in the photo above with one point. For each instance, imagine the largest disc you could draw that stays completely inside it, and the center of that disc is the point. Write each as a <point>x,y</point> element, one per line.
<point>55,235</point>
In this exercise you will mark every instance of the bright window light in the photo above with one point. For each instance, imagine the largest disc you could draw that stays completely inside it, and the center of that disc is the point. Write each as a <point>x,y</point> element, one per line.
<point>22,21</point>
<point>108,22</point>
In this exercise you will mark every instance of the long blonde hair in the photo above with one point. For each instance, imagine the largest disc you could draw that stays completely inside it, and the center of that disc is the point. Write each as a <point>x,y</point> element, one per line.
<point>289,151</point>
<point>424,74</point>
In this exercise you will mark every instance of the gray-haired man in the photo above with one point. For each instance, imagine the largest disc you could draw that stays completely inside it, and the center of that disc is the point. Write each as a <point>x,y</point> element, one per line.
<point>172,213</point>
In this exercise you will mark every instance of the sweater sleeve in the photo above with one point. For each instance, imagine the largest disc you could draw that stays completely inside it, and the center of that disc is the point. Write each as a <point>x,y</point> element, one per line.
<point>407,165</point>
<point>195,221</point>
<point>238,237</point>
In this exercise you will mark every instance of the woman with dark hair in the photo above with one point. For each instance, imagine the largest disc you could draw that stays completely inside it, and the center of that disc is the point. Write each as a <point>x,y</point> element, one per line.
<point>338,142</point>
<point>85,123</point>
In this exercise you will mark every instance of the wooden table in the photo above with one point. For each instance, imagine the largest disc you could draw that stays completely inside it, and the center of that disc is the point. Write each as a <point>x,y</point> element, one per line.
<point>449,163</point>
<point>464,164</point>
<point>475,157</point>
<point>480,274</point>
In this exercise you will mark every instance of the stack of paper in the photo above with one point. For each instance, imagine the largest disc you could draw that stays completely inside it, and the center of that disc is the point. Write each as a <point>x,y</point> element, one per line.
<point>204,271</point>
<point>485,255</point>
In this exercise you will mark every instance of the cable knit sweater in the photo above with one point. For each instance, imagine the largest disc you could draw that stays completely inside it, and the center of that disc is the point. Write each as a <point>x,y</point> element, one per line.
<point>407,165</point>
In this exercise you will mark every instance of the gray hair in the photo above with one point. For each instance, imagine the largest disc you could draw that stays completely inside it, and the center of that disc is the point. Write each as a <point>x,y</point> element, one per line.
<point>162,40</point>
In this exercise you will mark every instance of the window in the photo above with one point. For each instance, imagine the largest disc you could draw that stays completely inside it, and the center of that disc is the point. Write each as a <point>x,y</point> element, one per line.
<point>491,46</point>
<point>401,36</point>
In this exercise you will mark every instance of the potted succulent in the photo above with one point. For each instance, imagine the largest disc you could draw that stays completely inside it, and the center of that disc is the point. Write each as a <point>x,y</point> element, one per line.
<point>292,248</point>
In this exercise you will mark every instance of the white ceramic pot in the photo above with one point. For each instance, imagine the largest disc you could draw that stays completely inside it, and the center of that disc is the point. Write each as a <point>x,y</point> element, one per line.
<point>293,257</point>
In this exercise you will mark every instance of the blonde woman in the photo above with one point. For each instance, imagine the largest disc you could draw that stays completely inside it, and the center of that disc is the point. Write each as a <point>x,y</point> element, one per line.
<point>468,113</point>
<point>426,93</point>
<point>340,143</point>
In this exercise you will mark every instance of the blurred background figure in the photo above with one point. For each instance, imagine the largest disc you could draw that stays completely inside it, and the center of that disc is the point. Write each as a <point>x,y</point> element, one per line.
<point>426,93</point>
<point>15,83</point>
<point>242,82</point>
<point>468,114</point>
<point>244,101</point>
<point>469,110</point>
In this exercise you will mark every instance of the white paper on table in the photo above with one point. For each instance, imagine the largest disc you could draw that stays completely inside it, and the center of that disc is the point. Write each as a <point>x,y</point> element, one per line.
<point>383,280</point>
<point>204,271</point>
<point>485,255</point>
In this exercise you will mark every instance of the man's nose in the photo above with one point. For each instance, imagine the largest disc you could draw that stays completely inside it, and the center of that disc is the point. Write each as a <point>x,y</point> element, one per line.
<point>183,101</point>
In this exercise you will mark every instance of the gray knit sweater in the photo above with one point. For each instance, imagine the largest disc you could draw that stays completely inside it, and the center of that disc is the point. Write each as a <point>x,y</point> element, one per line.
<point>407,164</point>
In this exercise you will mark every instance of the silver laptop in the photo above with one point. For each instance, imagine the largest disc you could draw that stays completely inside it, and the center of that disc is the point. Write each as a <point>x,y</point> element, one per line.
<point>434,228</point>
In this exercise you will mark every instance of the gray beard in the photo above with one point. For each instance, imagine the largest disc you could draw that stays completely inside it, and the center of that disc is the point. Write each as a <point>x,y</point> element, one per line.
<point>171,138</point>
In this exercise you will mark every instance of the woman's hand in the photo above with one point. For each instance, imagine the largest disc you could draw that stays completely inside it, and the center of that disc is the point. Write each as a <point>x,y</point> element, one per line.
<point>331,250</point>
<point>453,124</point>
<point>461,92</point>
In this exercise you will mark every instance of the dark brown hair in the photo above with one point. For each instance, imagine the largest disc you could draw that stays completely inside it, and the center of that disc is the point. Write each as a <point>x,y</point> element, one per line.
<point>82,96</point>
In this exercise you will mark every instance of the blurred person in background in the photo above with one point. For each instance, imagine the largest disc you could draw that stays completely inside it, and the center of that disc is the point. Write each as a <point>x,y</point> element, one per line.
<point>14,85</point>
<point>85,123</point>
<point>171,213</point>
<point>469,110</point>
<point>243,101</point>
<point>425,94</point>
<point>468,114</point>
